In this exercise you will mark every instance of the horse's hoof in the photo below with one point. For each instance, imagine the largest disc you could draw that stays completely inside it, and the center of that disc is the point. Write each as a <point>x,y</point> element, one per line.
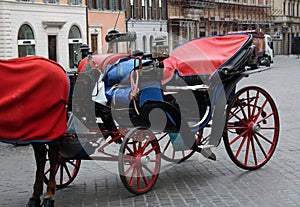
<point>34,202</point>
<point>48,202</point>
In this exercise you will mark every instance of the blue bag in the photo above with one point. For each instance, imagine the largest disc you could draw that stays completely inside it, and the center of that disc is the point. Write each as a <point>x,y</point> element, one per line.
<point>119,73</point>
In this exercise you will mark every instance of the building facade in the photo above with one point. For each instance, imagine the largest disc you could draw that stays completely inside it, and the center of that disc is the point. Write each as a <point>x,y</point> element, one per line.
<point>286,30</point>
<point>191,18</point>
<point>148,19</point>
<point>104,17</point>
<point>54,29</point>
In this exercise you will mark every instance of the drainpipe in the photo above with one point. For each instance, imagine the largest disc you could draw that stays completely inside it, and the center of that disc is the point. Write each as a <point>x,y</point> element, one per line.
<point>87,20</point>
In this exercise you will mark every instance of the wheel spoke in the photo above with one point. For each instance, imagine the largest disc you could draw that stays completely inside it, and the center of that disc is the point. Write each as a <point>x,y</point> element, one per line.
<point>255,103</point>
<point>247,150</point>
<point>235,139</point>
<point>265,118</point>
<point>240,147</point>
<point>150,150</point>
<point>248,100</point>
<point>130,168</point>
<point>129,150</point>
<point>260,110</point>
<point>146,145</point>
<point>236,127</point>
<point>265,138</point>
<point>253,150</point>
<point>183,154</point>
<point>72,163</point>
<point>167,145</point>
<point>47,171</point>
<point>260,146</point>
<point>147,168</point>
<point>242,108</point>
<point>269,128</point>
<point>61,174</point>
<point>236,116</point>
<point>138,179</point>
<point>134,146</point>
<point>132,177</point>
<point>144,177</point>
<point>140,140</point>
<point>67,170</point>
<point>162,137</point>
<point>173,154</point>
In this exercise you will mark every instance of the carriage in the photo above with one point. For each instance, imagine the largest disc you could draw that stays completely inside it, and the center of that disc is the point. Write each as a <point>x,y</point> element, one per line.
<point>167,108</point>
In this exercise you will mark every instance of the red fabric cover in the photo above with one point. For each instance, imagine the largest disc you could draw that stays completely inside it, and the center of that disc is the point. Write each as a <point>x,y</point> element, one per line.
<point>101,60</point>
<point>33,95</point>
<point>202,56</point>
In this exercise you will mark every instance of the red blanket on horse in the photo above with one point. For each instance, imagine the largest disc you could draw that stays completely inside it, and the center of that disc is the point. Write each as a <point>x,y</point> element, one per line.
<point>33,98</point>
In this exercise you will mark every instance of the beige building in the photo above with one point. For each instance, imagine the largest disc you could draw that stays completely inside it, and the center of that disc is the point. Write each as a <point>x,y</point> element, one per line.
<point>191,18</point>
<point>54,29</point>
<point>286,28</point>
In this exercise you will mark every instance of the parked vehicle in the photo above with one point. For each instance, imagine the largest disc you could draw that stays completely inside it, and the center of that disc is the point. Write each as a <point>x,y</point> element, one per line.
<point>263,53</point>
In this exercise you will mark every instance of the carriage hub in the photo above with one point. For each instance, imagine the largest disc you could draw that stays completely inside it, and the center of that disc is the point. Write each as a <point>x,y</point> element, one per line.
<point>255,128</point>
<point>145,160</point>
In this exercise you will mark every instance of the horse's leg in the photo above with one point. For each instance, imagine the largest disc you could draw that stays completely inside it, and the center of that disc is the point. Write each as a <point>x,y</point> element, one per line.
<point>53,159</point>
<point>40,159</point>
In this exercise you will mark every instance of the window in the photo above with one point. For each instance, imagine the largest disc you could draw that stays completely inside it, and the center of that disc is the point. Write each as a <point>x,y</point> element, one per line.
<point>97,4</point>
<point>150,9</point>
<point>75,2</point>
<point>151,43</point>
<point>143,10</point>
<point>26,42</point>
<point>144,43</point>
<point>160,9</point>
<point>75,41</point>
<point>51,1</point>
<point>136,5</point>
<point>94,43</point>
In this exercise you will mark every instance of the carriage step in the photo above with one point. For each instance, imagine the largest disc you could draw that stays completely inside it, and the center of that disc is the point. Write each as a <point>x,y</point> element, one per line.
<point>207,153</point>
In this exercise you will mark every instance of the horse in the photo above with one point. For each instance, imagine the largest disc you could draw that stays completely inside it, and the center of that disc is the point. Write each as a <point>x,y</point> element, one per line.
<point>33,108</point>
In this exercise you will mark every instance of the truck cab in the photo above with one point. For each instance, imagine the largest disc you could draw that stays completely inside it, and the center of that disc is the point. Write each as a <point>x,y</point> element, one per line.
<point>269,52</point>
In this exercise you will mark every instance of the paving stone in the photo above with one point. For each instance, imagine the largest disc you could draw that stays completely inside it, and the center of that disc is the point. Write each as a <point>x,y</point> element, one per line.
<point>196,182</point>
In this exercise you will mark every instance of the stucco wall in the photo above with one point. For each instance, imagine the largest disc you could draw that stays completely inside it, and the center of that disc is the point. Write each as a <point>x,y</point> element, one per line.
<point>15,14</point>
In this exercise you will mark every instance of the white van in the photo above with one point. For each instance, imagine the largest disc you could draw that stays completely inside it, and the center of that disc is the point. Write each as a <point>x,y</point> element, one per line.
<point>269,48</point>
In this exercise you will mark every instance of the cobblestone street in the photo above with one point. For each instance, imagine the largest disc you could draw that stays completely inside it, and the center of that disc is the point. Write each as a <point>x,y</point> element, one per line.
<point>195,182</point>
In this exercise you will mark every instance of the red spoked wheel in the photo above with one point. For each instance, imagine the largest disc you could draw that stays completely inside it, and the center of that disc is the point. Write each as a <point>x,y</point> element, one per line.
<point>139,161</point>
<point>252,128</point>
<point>66,171</point>
<point>168,152</point>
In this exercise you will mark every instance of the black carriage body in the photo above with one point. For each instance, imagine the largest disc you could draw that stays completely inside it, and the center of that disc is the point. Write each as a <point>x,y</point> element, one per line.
<point>178,105</point>
<point>154,95</point>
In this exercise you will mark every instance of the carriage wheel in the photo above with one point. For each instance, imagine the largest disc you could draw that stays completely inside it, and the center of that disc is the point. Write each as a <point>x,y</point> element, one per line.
<point>252,128</point>
<point>66,171</point>
<point>139,161</point>
<point>169,154</point>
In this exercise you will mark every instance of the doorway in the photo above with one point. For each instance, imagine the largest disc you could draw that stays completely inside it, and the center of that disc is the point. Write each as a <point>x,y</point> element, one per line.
<point>52,47</point>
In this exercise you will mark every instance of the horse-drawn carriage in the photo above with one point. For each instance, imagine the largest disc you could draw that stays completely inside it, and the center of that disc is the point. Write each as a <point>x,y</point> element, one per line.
<point>167,108</point>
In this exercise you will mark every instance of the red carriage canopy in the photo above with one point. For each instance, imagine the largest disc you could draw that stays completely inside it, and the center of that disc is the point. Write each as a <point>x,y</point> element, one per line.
<point>202,56</point>
<point>33,97</point>
<point>101,60</point>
